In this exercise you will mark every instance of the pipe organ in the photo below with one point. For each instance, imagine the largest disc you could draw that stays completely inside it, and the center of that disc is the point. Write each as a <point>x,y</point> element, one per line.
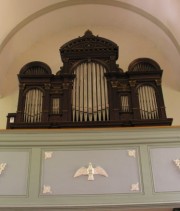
<point>90,90</point>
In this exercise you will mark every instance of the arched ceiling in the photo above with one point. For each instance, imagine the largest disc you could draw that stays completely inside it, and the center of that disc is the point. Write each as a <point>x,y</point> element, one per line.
<point>26,23</point>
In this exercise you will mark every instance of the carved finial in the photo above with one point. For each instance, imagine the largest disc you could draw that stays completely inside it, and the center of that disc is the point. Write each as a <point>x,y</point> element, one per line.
<point>88,33</point>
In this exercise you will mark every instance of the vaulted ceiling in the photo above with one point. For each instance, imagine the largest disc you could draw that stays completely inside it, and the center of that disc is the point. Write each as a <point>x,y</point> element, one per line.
<point>26,24</point>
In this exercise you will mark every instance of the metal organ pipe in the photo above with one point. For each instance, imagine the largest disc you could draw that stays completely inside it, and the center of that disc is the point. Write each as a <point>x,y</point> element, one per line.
<point>147,102</point>
<point>90,97</point>
<point>33,106</point>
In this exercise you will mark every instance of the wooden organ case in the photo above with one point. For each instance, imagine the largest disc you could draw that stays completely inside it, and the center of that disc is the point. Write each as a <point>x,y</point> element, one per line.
<point>90,90</point>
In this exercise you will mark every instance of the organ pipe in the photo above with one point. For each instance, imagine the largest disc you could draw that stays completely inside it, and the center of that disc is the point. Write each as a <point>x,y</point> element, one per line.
<point>147,102</point>
<point>90,97</point>
<point>33,106</point>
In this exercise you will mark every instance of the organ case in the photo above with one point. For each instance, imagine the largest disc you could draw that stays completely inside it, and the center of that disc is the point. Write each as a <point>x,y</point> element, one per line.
<point>90,90</point>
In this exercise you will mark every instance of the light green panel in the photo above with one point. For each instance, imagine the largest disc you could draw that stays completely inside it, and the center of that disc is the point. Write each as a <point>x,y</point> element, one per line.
<point>120,165</point>
<point>14,169</point>
<point>166,168</point>
<point>155,148</point>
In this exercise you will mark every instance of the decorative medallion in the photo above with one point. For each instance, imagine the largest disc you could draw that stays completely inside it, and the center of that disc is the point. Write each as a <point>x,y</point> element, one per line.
<point>132,153</point>
<point>135,187</point>
<point>48,155</point>
<point>177,162</point>
<point>2,167</point>
<point>90,171</point>
<point>47,189</point>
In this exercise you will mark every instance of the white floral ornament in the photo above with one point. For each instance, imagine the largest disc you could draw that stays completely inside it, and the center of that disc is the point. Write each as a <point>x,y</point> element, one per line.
<point>135,187</point>
<point>177,162</point>
<point>2,167</point>
<point>47,189</point>
<point>132,153</point>
<point>48,155</point>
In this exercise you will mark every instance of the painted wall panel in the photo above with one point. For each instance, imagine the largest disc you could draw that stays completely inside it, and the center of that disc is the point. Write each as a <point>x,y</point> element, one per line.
<point>121,165</point>
<point>166,174</point>
<point>14,176</point>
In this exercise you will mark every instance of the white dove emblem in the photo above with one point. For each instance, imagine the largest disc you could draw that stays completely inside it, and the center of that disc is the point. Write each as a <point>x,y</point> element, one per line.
<point>90,171</point>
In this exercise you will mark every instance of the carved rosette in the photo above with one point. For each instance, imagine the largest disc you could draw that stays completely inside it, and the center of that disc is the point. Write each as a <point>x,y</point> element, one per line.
<point>177,162</point>
<point>47,189</point>
<point>48,155</point>
<point>132,153</point>
<point>135,187</point>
